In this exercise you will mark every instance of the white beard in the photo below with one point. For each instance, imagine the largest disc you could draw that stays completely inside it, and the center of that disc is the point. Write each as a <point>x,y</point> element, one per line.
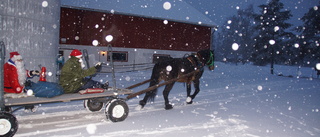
<point>22,73</point>
<point>82,63</point>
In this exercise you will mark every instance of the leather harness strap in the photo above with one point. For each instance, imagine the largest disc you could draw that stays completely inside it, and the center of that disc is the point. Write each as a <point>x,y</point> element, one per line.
<point>199,57</point>
<point>191,61</point>
<point>194,63</point>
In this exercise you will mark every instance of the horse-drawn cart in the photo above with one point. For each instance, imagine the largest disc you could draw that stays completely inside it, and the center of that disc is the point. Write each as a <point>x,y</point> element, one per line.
<point>116,108</point>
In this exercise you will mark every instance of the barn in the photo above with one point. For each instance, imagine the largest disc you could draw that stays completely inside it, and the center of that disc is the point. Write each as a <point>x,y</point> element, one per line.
<point>143,31</point>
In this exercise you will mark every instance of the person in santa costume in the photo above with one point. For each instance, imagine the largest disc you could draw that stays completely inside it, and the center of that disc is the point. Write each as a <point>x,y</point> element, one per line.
<point>15,74</point>
<point>74,78</point>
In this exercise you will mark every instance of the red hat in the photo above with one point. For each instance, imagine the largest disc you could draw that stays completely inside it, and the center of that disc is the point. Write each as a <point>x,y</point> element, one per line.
<point>14,54</point>
<point>76,53</point>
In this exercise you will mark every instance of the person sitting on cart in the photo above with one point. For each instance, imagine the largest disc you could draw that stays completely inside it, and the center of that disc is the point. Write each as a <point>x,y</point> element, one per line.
<point>15,77</point>
<point>74,77</point>
<point>15,74</point>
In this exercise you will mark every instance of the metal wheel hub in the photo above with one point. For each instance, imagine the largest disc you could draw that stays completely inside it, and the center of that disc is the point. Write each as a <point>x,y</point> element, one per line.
<point>5,126</point>
<point>118,111</point>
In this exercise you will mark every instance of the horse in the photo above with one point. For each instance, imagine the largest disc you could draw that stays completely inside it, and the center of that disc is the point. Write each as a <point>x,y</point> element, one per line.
<point>176,67</point>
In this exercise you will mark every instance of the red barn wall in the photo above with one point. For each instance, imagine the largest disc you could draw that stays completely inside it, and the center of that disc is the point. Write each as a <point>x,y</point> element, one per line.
<point>81,27</point>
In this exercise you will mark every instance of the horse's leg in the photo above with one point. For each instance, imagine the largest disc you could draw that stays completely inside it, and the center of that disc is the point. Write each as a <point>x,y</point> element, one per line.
<point>149,95</point>
<point>197,90</point>
<point>166,92</point>
<point>189,99</point>
<point>143,102</point>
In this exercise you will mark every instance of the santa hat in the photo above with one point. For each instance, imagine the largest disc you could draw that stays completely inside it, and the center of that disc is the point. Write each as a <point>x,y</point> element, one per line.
<point>14,56</point>
<point>76,53</point>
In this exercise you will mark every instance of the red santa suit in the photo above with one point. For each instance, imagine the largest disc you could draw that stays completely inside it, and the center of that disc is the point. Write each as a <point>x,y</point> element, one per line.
<point>15,74</point>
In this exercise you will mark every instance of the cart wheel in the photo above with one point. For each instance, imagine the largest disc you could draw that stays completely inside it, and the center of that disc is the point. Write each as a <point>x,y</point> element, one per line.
<point>8,124</point>
<point>8,109</point>
<point>92,105</point>
<point>117,110</point>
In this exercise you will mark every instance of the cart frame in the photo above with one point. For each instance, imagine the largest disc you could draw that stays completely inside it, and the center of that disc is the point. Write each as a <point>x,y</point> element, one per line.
<point>116,109</point>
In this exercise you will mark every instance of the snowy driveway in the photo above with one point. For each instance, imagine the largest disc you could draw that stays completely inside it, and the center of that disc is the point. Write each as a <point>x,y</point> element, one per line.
<point>235,101</point>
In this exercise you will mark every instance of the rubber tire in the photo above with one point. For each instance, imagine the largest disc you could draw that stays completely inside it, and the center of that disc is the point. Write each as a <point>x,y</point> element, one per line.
<point>8,109</point>
<point>92,105</point>
<point>8,124</point>
<point>117,110</point>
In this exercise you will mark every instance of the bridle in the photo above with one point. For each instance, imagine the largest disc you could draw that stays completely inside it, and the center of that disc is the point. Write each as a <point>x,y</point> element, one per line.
<point>211,60</point>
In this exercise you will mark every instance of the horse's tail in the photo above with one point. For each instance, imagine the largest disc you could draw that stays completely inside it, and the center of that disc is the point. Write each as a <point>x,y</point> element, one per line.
<point>155,79</point>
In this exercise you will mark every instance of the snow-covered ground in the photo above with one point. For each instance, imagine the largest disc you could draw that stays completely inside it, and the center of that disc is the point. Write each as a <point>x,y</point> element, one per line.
<point>234,101</point>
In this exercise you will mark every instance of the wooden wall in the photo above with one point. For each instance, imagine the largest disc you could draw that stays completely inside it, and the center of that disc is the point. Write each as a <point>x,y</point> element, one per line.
<point>82,27</point>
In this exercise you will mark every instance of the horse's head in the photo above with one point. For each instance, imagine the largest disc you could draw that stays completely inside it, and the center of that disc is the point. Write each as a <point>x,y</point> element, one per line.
<point>207,58</point>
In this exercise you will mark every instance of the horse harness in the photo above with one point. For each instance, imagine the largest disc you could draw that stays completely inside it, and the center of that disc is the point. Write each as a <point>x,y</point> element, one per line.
<point>193,59</point>
<point>199,59</point>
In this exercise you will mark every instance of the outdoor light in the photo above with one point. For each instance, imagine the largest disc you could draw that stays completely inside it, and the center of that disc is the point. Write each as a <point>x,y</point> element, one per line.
<point>103,53</point>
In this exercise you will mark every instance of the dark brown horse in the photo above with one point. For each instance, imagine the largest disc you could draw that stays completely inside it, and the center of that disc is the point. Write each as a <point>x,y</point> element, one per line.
<point>176,67</point>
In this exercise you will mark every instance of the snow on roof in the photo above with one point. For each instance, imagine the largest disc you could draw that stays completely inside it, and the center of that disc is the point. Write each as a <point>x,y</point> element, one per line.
<point>175,10</point>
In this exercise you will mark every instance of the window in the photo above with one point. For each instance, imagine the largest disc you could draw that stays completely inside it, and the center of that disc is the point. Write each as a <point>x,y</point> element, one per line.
<point>160,57</point>
<point>119,56</point>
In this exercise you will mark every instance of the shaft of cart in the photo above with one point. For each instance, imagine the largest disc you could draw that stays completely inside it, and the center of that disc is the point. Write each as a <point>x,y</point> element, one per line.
<point>158,85</point>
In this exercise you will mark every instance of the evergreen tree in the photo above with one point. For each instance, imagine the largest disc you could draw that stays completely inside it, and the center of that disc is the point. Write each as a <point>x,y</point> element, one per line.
<point>247,32</point>
<point>271,26</point>
<point>237,30</point>
<point>310,35</point>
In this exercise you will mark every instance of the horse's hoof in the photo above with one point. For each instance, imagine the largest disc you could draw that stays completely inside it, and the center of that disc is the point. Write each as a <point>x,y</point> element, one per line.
<point>169,106</point>
<point>142,103</point>
<point>189,100</point>
<point>139,107</point>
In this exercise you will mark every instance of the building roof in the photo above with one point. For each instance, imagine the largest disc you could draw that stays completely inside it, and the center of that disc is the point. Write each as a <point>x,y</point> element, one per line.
<point>171,10</point>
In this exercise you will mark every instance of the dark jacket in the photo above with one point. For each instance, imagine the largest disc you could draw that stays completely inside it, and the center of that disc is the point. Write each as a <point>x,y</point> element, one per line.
<point>72,75</point>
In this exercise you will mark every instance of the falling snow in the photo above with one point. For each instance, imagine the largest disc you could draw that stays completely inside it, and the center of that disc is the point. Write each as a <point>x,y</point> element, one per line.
<point>296,45</point>
<point>242,100</point>
<point>259,87</point>
<point>235,46</point>
<point>169,68</point>
<point>109,38</point>
<point>95,43</point>
<point>167,5</point>
<point>235,100</point>
<point>272,42</point>
<point>44,4</point>
<point>165,21</point>
<point>276,28</point>
<point>318,66</point>
<point>127,78</point>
